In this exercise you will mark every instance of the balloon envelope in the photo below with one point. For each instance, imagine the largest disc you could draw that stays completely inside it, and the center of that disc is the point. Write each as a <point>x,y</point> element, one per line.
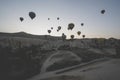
<point>72,36</point>
<point>59,27</point>
<point>48,18</point>
<point>51,27</point>
<point>63,36</point>
<point>58,18</point>
<point>32,15</point>
<point>102,11</point>
<point>57,30</point>
<point>49,31</point>
<point>82,24</point>
<point>83,36</point>
<point>70,26</point>
<point>21,19</point>
<point>78,32</point>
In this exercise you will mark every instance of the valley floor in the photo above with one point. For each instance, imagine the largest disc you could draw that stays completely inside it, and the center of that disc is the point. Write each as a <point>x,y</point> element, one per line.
<point>102,70</point>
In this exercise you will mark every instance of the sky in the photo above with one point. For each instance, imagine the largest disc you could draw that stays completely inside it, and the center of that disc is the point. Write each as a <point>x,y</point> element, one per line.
<point>96,25</point>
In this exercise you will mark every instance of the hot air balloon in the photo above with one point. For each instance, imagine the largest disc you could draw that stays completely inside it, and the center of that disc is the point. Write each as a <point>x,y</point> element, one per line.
<point>82,24</point>
<point>21,19</point>
<point>102,11</point>
<point>32,15</point>
<point>59,27</point>
<point>83,36</point>
<point>72,36</point>
<point>48,18</point>
<point>57,30</point>
<point>51,27</point>
<point>63,36</point>
<point>79,33</point>
<point>58,18</point>
<point>70,26</point>
<point>49,31</point>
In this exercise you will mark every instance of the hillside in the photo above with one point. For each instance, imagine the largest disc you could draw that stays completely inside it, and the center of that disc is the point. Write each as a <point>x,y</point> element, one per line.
<point>26,55</point>
<point>27,35</point>
<point>22,39</point>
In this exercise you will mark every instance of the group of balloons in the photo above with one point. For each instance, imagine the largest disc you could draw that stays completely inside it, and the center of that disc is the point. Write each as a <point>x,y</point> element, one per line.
<point>71,26</point>
<point>32,15</point>
<point>57,18</point>
<point>59,27</point>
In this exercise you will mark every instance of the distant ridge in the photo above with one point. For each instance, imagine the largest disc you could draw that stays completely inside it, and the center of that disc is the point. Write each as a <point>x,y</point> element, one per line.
<point>26,35</point>
<point>23,34</point>
<point>17,34</point>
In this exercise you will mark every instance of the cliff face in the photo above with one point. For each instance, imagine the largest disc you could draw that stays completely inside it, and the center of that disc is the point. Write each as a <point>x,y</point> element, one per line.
<point>99,45</point>
<point>29,54</point>
<point>21,39</point>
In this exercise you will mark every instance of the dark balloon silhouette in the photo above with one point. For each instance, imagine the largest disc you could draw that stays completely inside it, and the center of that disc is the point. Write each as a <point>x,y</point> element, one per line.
<point>21,19</point>
<point>51,27</point>
<point>79,33</point>
<point>83,36</point>
<point>59,27</point>
<point>72,36</point>
<point>82,24</point>
<point>102,11</point>
<point>48,18</point>
<point>70,26</point>
<point>49,31</point>
<point>32,15</point>
<point>58,18</point>
<point>63,36</point>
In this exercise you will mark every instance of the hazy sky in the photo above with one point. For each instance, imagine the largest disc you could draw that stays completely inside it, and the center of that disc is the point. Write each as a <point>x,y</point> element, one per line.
<point>70,11</point>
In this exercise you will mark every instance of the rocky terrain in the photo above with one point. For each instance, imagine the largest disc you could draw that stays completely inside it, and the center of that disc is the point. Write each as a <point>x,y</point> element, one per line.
<point>25,55</point>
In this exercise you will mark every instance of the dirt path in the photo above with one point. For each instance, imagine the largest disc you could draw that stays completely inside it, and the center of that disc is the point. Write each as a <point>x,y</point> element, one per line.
<point>49,62</point>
